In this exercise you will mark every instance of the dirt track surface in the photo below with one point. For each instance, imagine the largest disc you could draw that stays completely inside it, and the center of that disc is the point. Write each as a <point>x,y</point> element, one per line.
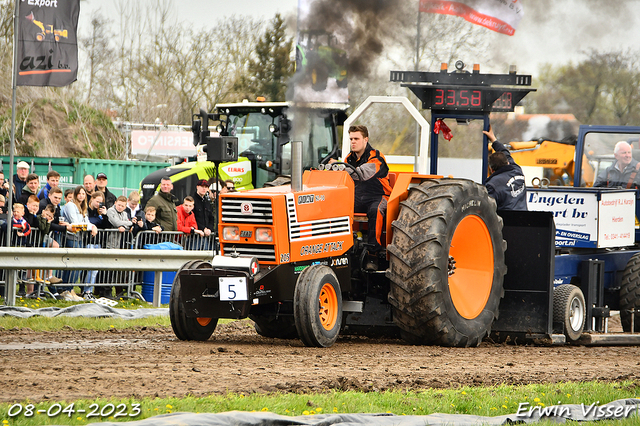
<point>69,365</point>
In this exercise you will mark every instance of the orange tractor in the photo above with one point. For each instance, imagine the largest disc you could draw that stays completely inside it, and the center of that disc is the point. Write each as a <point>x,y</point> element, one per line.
<point>292,257</point>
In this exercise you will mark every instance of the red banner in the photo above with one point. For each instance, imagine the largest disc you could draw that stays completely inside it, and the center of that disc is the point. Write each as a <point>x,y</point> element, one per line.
<point>501,16</point>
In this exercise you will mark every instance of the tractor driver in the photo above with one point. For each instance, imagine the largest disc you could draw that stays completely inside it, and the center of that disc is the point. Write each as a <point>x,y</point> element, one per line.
<point>624,172</point>
<point>372,192</point>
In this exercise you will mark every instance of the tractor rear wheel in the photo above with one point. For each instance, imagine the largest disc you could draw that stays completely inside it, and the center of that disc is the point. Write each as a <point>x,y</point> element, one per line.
<point>446,263</point>
<point>188,328</point>
<point>630,294</point>
<point>317,306</point>
<point>569,309</point>
<point>280,327</point>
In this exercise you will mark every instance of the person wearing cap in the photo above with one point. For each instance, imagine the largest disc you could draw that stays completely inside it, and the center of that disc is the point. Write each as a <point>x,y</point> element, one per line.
<point>203,207</point>
<point>101,185</point>
<point>165,203</point>
<point>20,178</point>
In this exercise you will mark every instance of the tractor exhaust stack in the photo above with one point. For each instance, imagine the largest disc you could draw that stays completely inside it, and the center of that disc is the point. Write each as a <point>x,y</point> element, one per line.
<point>296,166</point>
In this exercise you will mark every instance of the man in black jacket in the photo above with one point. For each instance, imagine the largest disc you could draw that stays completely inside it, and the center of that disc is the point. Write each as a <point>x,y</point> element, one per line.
<point>203,207</point>
<point>101,185</point>
<point>506,184</point>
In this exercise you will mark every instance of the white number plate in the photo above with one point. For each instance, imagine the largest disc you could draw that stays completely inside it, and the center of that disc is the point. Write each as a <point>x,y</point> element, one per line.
<point>233,288</point>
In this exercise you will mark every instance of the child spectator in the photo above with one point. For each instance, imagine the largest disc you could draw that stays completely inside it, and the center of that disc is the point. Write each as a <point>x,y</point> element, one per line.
<point>68,197</point>
<point>133,205</point>
<point>117,216</point>
<point>31,188</point>
<point>45,219</point>
<point>53,180</point>
<point>20,225</point>
<point>22,230</point>
<point>119,219</point>
<point>31,214</point>
<point>3,201</point>
<point>148,223</point>
<point>186,219</point>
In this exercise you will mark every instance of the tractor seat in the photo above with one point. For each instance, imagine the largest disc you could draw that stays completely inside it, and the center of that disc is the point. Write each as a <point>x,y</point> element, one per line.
<point>360,217</point>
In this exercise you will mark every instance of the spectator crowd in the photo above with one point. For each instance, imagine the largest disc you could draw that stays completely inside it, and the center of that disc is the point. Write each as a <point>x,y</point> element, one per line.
<point>91,216</point>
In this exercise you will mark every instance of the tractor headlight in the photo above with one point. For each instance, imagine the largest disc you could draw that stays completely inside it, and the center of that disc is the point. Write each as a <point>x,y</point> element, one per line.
<point>264,235</point>
<point>231,233</point>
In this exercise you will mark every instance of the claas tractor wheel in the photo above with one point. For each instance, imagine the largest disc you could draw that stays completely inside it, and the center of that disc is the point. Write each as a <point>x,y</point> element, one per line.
<point>183,327</point>
<point>630,294</point>
<point>317,306</point>
<point>569,309</point>
<point>446,264</point>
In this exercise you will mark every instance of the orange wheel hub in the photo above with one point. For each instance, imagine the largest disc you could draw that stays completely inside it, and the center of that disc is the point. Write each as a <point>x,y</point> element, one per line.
<point>328,302</point>
<point>471,283</point>
<point>203,321</point>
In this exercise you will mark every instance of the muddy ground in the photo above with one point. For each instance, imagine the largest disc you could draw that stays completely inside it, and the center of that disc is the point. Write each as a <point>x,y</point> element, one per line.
<point>69,365</point>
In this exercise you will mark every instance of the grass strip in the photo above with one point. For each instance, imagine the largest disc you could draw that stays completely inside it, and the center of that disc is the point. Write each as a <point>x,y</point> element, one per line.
<point>482,401</point>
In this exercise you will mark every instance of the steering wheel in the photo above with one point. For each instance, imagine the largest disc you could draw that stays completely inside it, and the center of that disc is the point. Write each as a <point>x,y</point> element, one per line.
<point>342,163</point>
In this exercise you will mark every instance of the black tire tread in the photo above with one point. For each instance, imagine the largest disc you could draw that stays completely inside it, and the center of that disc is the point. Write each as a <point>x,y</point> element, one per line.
<point>418,264</point>
<point>183,327</point>
<point>629,296</point>
<point>562,296</point>
<point>280,327</point>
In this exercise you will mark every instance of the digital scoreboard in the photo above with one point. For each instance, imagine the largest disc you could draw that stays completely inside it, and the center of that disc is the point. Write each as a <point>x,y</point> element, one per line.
<point>465,91</point>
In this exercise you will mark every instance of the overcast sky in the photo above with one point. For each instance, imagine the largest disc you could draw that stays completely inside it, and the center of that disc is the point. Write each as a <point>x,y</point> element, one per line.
<point>551,31</point>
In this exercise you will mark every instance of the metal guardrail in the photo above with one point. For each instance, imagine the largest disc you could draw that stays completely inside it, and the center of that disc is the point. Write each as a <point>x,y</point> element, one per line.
<point>13,259</point>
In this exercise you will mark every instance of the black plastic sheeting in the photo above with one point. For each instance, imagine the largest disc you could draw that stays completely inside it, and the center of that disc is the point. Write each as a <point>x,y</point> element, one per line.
<point>620,409</point>
<point>89,310</point>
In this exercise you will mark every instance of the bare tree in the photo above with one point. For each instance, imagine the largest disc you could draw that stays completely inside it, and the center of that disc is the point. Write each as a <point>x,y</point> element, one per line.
<point>99,57</point>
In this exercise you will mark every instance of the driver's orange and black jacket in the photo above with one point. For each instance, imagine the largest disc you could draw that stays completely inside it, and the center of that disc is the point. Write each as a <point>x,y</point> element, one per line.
<point>375,174</point>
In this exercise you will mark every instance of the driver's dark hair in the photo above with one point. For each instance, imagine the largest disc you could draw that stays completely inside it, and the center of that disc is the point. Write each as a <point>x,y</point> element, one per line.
<point>498,160</point>
<point>361,129</point>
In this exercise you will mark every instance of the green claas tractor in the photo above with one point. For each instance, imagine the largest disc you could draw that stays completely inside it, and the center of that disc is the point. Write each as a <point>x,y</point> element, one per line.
<point>264,130</point>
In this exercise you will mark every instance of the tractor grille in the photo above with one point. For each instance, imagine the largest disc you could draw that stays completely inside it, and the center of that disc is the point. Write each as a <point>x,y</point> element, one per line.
<point>315,228</point>
<point>260,210</point>
<point>264,253</point>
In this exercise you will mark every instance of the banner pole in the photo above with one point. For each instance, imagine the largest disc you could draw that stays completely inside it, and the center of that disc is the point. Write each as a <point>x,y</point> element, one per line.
<point>10,287</point>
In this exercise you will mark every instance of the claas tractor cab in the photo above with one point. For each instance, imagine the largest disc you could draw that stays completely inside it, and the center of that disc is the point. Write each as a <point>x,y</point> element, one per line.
<point>318,58</point>
<point>455,270</point>
<point>263,130</point>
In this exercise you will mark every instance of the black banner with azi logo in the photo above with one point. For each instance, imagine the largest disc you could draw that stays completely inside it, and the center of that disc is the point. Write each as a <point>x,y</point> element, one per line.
<point>47,42</point>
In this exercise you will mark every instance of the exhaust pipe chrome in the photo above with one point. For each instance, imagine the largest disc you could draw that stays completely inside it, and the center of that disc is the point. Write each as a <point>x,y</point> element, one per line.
<point>296,166</point>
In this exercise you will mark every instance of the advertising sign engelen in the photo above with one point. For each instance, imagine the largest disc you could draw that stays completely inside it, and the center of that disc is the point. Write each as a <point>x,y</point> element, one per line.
<point>588,219</point>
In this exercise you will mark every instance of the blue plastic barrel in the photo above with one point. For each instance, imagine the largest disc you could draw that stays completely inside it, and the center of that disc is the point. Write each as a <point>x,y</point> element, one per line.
<point>165,288</point>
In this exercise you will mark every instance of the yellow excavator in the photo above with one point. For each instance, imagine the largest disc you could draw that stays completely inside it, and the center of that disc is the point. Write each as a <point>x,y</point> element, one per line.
<point>47,31</point>
<point>555,157</point>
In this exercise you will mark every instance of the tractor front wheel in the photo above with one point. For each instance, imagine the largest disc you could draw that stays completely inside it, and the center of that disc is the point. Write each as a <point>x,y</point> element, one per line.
<point>317,306</point>
<point>186,328</point>
<point>446,263</point>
